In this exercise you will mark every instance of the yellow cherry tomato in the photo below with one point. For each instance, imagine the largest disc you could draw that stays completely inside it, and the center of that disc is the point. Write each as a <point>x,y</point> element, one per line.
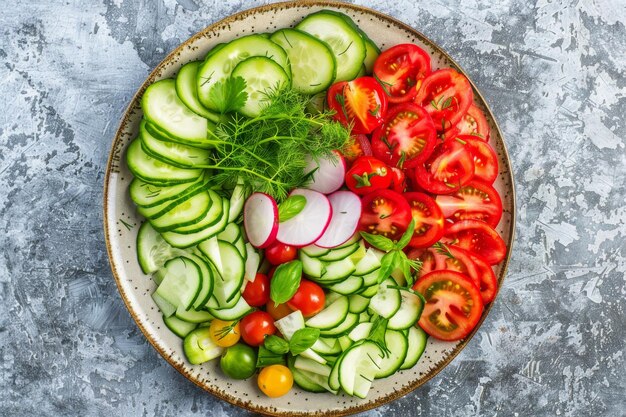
<point>224,333</point>
<point>275,380</point>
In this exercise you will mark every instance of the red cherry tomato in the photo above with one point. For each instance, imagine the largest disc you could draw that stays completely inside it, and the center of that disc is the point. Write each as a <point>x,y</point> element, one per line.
<point>359,145</point>
<point>398,180</point>
<point>255,326</point>
<point>477,237</point>
<point>386,213</point>
<point>257,292</point>
<point>453,304</point>
<point>407,137</point>
<point>488,282</point>
<point>278,311</point>
<point>279,253</point>
<point>428,219</point>
<point>474,123</point>
<point>400,70</point>
<point>368,174</point>
<point>309,298</point>
<point>485,158</point>
<point>449,168</point>
<point>446,95</point>
<point>361,103</point>
<point>475,200</point>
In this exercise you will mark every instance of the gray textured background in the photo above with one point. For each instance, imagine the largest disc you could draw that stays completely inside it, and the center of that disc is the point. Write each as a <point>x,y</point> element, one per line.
<point>554,73</point>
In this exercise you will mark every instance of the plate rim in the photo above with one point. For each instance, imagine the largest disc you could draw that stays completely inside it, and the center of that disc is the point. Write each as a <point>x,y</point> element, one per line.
<point>249,405</point>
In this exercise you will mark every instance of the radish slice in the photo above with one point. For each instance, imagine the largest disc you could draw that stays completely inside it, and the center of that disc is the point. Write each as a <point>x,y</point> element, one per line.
<point>308,225</point>
<point>329,173</point>
<point>346,214</point>
<point>260,219</point>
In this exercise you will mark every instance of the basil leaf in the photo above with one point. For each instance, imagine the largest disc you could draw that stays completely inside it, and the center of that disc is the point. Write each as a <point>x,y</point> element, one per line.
<point>406,237</point>
<point>379,242</point>
<point>387,265</point>
<point>285,281</point>
<point>291,207</point>
<point>377,334</point>
<point>405,266</point>
<point>266,358</point>
<point>276,345</point>
<point>303,339</point>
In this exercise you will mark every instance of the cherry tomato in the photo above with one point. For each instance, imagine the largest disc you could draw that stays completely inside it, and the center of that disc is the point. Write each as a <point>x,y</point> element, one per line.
<point>407,137</point>
<point>446,95</point>
<point>257,292</point>
<point>385,213</point>
<point>255,326</point>
<point>279,253</point>
<point>488,282</point>
<point>278,311</point>
<point>275,380</point>
<point>449,167</point>
<point>368,174</point>
<point>401,69</point>
<point>398,180</point>
<point>361,103</point>
<point>309,298</point>
<point>475,200</point>
<point>453,304</point>
<point>224,333</point>
<point>474,123</point>
<point>477,237</point>
<point>485,158</point>
<point>428,219</point>
<point>359,145</point>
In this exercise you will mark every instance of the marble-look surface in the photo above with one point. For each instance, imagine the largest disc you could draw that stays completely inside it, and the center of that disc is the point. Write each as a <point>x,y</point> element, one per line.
<point>554,72</point>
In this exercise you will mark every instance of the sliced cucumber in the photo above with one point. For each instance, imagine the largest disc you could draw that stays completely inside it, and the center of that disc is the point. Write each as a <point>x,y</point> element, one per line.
<point>181,282</point>
<point>211,217</point>
<point>187,90</point>
<point>240,309</point>
<point>156,172</point>
<point>369,292</point>
<point>311,266</point>
<point>312,62</point>
<point>179,240</point>
<point>358,367</point>
<point>339,254</point>
<point>207,282</point>
<point>357,303</point>
<point>302,379</point>
<point>149,195</point>
<point>349,286</point>
<point>370,279</point>
<point>344,327</point>
<point>152,250</point>
<point>253,259</point>
<point>326,346</point>
<point>314,251</point>
<point>337,271</point>
<point>179,327</point>
<point>398,345</point>
<point>177,154</point>
<point>369,263</point>
<point>409,313</point>
<point>193,316</point>
<point>157,211</point>
<point>199,347</point>
<point>309,365</point>
<point>417,339</point>
<point>386,302</point>
<point>331,316</point>
<point>361,331</point>
<point>230,277</point>
<point>345,342</point>
<point>371,53</point>
<point>237,199</point>
<point>230,234</point>
<point>186,213</point>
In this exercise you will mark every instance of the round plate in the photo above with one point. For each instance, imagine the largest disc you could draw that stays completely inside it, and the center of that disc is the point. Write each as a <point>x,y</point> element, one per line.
<point>121,221</point>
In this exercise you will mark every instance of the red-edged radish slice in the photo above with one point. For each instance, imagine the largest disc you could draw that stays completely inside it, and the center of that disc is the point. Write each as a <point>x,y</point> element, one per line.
<point>308,225</point>
<point>260,219</point>
<point>329,173</point>
<point>346,214</point>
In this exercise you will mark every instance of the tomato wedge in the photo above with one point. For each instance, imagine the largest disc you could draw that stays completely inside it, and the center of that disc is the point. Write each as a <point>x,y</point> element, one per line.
<point>428,219</point>
<point>449,168</point>
<point>488,282</point>
<point>477,237</point>
<point>453,304</point>
<point>361,103</point>
<point>400,69</point>
<point>386,213</point>
<point>398,180</point>
<point>407,137</point>
<point>485,158</point>
<point>475,200</point>
<point>446,95</point>
<point>474,123</point>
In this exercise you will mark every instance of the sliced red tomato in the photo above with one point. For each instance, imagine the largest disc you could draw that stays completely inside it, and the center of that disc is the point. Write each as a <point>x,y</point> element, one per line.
<point>398,180</point>
<point>485,158</point>
<point>407,137</point>
<point>446,95</point>
<point>400,69</point>
<point>368,174</point>
<point>428,219</point>
<point>475,200</point>
<point>360,103</point>
<point>449,168</point>
<point>385,213</point>
<point>453,304</point>
<point>488,282</point>
<point>477,237</point>
<point>474,123</point>
<point>359,145</point>
<point>426,257</point>
<point>448,257</point>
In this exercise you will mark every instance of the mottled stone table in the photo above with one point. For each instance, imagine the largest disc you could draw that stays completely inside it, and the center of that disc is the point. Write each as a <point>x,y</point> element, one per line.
<point>554,72</point>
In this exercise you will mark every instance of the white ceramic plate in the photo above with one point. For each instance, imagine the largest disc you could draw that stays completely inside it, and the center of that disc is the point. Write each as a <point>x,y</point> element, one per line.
<point>121,221</point>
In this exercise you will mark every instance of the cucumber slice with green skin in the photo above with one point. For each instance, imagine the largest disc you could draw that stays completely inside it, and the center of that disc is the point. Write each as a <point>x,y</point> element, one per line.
<point>337,271</point>
<point>199,347</point>
<point>361,331</point>
<point>417,339</point>
<point>230,277</point>
<point>157,211</point>
<point>193,316</point>
<point>149,195</point>
<point>398,345</point>
<point>311,266</point>
<point>386,302</point>
<point>370,279</point>
<point>219,65</point>
<point>179,327</point>
<point>358,254</point>
<point>152,250</point>
<point>333,378</point>
<point>345,342</point>
<point>207,283</point>
<point>240,244</point>
<point>263,77</point>
<point>162,107</point>
<point>156,172</point>
<point>301,380</point>
<point>344,327</point>
<point>369,292</point>
<point>211,250</point>
<point>163,135</point>
<point>313,64</point>
<point>188,212</point>
<point>240,309</point>
<point>369,263</point>
<point>313,251</point>
<point>354,239</point>
<point>309,365</point>
<point>357,304</point>
<point>409,313</point>
<point>349,286</point>
<point>211,217</point>
<point>325,346</point>
<point>177,154</point>
<point>187,90</point>
<point>343,39</point>
<point>237,199</point>
<point>179,240</point>
<point>364,316</point>
<point>371,53</point>
<point>181,282</point>
<point>331,316</point>
<point>339,254</point>
<point>230,234</point>
<point>358,367</point>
